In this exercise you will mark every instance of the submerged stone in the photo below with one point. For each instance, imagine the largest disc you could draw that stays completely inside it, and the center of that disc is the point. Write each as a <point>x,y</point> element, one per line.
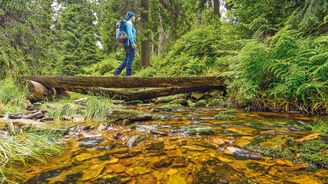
<point>73,178</point>
<point>163,163</point>
<point>44,176</point>
<point>213,171</point>
<point>155,146</point>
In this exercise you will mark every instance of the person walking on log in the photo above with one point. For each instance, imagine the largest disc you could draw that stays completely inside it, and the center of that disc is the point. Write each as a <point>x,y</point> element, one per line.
<point>126,34</point>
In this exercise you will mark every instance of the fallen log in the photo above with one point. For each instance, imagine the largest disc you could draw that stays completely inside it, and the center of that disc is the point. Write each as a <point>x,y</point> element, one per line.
<point>145,94</point>
<point>71,82</point>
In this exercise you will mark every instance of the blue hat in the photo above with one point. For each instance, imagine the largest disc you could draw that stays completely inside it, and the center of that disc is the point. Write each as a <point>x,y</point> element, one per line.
<point>129,15</point>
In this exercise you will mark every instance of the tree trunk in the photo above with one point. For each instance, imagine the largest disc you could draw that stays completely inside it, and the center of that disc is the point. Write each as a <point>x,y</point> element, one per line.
<point>68,82</point>
<point>145,42</point>
<point>145,94</point>
<point>161,36</point>
<point>216,5</point>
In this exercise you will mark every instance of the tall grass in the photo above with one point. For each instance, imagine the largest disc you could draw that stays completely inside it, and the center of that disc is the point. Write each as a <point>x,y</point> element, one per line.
<point>98,108</point>
<point>12,96</point>
<point>61,111</point>
<point>31,145</point>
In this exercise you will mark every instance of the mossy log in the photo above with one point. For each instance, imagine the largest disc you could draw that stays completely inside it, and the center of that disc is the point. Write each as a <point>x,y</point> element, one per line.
<point>78,82</point>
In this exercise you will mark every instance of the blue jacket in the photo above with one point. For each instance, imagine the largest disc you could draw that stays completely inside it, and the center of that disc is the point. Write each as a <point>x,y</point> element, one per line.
<point>131,32</point>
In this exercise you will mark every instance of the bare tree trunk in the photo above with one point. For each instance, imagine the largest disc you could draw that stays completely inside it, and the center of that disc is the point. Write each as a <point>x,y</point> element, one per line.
<point>145,42</point>
<point>216,5</point>
<point>161,37</point>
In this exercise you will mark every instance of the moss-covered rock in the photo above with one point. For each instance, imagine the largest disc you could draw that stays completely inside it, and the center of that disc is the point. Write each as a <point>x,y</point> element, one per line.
<point>226,115</point>
<point>200,130</point>
<point>182,102</point>
<point>201,103</point>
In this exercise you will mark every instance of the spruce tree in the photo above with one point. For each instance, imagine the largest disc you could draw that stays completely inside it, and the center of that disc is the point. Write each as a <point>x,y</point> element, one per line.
<point>78,39</point>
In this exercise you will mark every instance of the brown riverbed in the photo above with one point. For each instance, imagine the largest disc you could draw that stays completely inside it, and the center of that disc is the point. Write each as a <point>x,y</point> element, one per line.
<point>179,157</point>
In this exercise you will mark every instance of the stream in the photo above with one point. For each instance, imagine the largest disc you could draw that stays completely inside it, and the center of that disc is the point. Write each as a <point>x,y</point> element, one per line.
<point>186,145</point>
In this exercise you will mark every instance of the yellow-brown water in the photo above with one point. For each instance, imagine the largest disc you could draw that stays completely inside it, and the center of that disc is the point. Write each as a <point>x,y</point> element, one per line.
<point>184,158</point>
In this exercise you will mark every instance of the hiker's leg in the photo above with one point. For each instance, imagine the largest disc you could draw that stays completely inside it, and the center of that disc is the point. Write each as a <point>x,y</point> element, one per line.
<point>123,64</point>
<point>129,61</point>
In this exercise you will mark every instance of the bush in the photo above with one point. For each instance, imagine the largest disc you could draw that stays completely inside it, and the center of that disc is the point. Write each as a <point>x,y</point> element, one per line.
<point>12,96</point>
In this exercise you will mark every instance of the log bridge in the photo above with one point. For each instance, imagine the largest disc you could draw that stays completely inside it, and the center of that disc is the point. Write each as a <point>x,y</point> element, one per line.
<point>45,86</point>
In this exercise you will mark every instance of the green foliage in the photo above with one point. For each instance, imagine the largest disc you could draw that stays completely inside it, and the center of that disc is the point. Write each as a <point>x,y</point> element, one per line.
<point>104,67</point>
<point>12,96</point>
<point>98,109</point>
<point>288,72</point>
<point>25,147</point>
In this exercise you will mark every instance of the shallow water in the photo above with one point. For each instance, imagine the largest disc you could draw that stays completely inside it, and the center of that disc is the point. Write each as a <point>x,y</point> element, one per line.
<point>180,157</point>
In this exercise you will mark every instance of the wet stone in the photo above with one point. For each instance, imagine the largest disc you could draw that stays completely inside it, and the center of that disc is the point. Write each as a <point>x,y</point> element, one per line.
<point>46,119</point>
<point>157,132</point>
<point>15,116</point>
<point>107,147</point>
<point>213,171</point>
<point>155,146</point>
<point>35,115</point>
<point>90,142</point>
<point>242,154</point>
<point>135,140</point>
<point>134,102</point>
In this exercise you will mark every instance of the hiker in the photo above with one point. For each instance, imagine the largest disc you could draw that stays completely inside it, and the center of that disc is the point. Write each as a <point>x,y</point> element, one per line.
<point>127,36</point>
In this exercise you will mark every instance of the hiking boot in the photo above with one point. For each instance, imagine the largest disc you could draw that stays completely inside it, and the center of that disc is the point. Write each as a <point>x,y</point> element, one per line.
<point>115,74</point>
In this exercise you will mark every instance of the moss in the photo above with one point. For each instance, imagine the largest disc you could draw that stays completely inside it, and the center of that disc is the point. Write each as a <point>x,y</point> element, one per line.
<point>125,114</point>
<point>313,146</point>
<point>183,102</point>
<point>201,130</point>
<point>226,115</point>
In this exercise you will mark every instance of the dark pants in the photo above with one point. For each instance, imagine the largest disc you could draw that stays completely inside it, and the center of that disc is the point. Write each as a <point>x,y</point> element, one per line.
<point>130,53</point>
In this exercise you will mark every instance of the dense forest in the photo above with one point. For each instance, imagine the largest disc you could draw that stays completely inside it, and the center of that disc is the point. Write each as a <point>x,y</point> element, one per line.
<point>273,55</point>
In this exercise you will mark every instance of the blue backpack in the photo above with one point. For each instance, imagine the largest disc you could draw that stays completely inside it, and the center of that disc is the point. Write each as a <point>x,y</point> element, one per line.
<point>121,34</point>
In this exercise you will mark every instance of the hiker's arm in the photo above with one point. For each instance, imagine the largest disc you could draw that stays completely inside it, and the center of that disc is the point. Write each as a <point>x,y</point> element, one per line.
<point>129,32</point>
